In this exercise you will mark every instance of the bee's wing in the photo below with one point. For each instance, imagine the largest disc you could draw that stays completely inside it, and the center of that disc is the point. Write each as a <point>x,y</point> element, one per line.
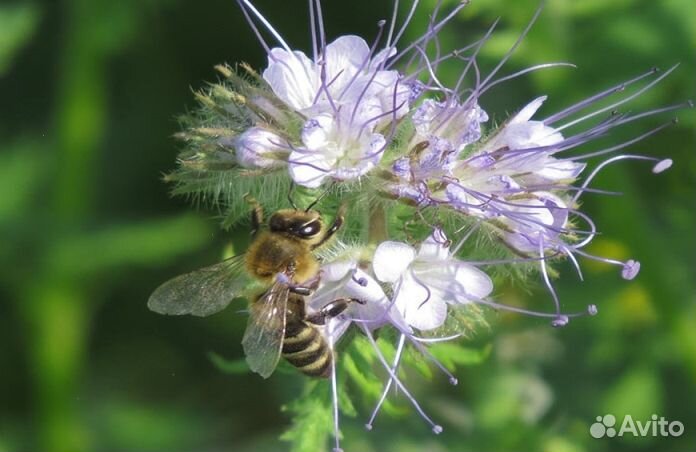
<point>263,338</point>
<point>202,292</point>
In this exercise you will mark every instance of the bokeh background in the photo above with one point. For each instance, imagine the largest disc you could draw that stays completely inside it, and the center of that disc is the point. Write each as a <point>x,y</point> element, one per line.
<point>90,92</point>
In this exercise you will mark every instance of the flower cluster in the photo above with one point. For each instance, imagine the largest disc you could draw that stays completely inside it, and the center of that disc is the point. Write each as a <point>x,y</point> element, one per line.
<point>372,126</point>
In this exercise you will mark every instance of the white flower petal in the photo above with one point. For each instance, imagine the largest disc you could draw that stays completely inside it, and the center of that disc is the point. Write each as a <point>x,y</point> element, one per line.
<point>254,148</point>
<point>435,247</point>
<point>381,56</point>
<point>293,78</point>
<point>420,307</point>
<point>363,287</point>
<point>560,170</point>
<point>528,135</point>
<point>391,259</point>
<point>337,270</point>
<point>528,111</point>
<point>344,56</point>
<point>475,283</point>
<point>309,168</point>
<point>316,132</point>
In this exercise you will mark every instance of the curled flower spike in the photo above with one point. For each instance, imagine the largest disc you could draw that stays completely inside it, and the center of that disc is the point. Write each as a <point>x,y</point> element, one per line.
<point>373,127</point>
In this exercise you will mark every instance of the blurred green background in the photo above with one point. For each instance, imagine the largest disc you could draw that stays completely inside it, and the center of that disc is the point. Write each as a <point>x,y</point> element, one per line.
<point>90,91</point>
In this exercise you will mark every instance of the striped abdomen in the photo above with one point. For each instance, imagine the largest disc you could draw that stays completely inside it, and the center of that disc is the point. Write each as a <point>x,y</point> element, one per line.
<point>305,348</point>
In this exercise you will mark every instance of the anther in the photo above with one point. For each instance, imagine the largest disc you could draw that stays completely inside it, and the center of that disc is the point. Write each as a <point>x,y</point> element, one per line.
<point>630,269</point>
<point>437,429</point>
<point>560,321</point>
<point>662,165</point>
<point>592,309</point>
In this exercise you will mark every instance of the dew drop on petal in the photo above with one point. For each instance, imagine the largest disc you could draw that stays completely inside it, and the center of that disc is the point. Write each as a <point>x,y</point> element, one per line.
<point>630,269</point>
<point>592,309</point>
<point>561,320</point>
<point>662,165</point>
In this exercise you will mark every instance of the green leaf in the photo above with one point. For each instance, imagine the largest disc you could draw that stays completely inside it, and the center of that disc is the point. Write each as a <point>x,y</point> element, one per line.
<point>311,421</point>
<point>637,393</point>
<point>451,354</point>
<point>21,171</point>
<point>17,25</point>
<point>146,243</point>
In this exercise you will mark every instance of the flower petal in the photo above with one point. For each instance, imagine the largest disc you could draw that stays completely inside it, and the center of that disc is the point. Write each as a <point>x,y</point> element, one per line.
<point>391,259</point>
<point>315,132</point>
<point>419,305</point>
<point>258,148</point>
<point>344,57</point>
<point>435,247</point>
<point>560,170</point>
<point>528,110</point>
<point>308,168</point>
<point>474,283</point>
<point>293,78</point>
<point>336,270</point>
<point>364,287</point>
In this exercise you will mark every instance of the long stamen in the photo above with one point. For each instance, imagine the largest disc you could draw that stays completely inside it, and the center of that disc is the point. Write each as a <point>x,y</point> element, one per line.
<point>509,53</point>
<point>560,320</point>
<point>622,145</point>
<point>388,384</point>
<point>597,97</point>
<point>427,35</point>
<point>620,102</point>
<point>334,393</point>
<point>268,26</point>
<point>522,72</point>
<point>392,23</point>
<point>662,164</point>
<point>421,348</point>
<point>313,31</point>
<point>322,33</point>
<point>255,29</point>
<point>437,429</point>
<point>409,17</point>
<point>475,54</point>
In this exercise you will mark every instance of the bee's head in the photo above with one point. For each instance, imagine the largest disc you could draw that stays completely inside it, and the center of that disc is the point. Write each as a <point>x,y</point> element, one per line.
<point>304,225</point>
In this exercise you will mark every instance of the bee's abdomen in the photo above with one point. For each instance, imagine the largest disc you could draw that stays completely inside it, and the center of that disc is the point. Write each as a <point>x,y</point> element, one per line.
<point>305,348</point>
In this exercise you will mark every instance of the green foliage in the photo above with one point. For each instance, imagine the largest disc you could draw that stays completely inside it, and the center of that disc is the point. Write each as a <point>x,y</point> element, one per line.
<point>310,431</point>
<point>18,23</point>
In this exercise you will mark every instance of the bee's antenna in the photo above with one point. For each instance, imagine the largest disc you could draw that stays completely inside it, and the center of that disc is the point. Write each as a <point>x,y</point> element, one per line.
<point>319,198</point>
<point>292,203</point>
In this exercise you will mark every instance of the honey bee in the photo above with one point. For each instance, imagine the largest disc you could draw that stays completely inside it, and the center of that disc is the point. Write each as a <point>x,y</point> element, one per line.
<point>281,266</point>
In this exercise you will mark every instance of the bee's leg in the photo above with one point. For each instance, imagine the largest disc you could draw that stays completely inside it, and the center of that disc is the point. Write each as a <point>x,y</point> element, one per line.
<point>256,214</point>
<point>338,222</point>
<point>331,310</point>
<point>306,288</point>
